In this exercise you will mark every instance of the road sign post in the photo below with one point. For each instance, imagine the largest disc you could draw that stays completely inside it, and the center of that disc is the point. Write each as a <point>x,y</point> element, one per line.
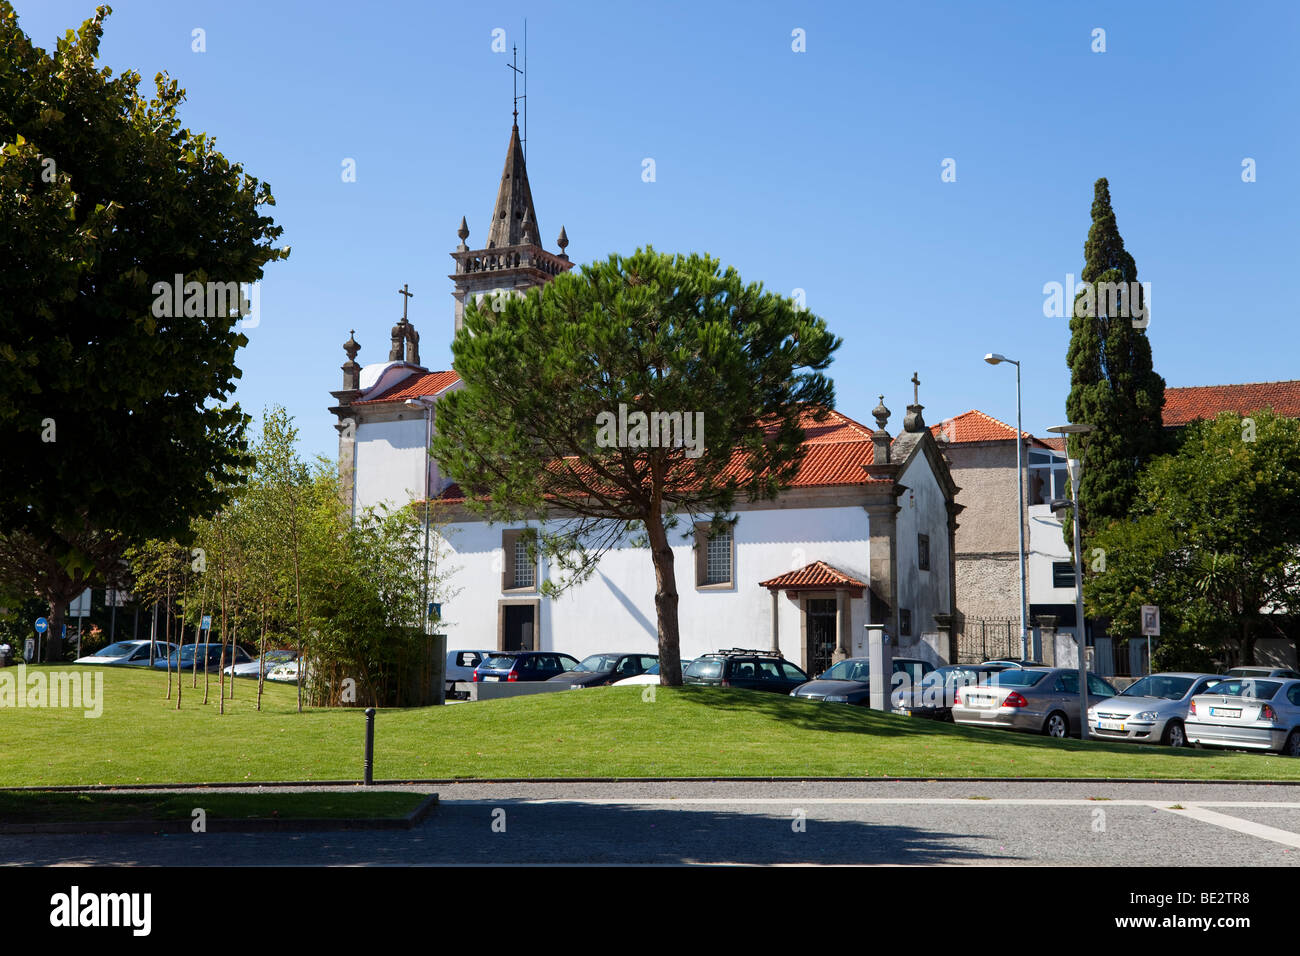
<point>33,648</point>
<point>1150,627</point>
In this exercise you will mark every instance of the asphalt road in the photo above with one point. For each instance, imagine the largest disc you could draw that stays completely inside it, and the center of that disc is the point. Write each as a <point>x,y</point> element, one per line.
<point>1004,823</point>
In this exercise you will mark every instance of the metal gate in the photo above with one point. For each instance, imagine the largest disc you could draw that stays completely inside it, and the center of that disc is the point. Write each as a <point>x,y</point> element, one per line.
<point>987,639</point>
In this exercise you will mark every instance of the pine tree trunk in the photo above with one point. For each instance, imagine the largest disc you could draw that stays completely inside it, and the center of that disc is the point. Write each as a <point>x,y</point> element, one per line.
<point>666,600</point>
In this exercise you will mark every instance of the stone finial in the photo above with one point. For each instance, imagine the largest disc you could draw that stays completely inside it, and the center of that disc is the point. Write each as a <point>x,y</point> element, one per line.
<point>463,233</point>
<point>881,414</point>
<point>412,345</point>
<point>563,243</point>
<point>399,336</point>
<point>351,346</point>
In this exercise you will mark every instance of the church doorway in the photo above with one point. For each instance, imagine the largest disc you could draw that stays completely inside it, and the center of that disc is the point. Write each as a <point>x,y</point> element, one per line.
<point>518,626</point>
<point>822,616</point>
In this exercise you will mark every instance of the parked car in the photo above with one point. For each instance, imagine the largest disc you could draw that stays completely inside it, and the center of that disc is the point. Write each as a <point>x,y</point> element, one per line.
<point>524,666</point>
<point>749,669</point>
<point>601,669</point>
<point>1015,662</point>
<point>286,673</point>
<point>209,652</point>
<point>933,697</point>
<point>1152,710</point>
<point>1254,670</point>
<point>460,668</point>
<point>849,681</point>
<point>127,654</point>
<point>1036,699</point>
<point>1254,713</point>
<point>253,668</point>
<point>651,675</point>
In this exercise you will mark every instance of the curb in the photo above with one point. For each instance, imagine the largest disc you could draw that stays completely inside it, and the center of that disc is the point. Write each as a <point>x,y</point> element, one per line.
<point>252,784</point>
<point>260,825</point>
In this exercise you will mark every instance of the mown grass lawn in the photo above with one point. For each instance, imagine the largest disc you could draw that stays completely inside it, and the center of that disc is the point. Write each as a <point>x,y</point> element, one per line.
<point>42,806</point>
<point>605,732</point>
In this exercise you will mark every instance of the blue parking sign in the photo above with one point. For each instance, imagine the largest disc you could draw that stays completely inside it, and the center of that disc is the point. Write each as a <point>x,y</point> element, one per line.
<point>42,625</point>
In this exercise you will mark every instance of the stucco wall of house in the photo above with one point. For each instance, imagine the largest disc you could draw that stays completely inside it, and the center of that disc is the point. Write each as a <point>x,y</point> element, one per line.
<point>988,540</point>
<point>390,459</point>
<point>615,610</point>
<point>923,511</point>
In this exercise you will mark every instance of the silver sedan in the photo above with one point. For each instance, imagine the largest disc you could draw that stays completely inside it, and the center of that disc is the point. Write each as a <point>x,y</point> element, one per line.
<point>1037,699</point>
<point>1153,710</point>
<point>1254,713</point>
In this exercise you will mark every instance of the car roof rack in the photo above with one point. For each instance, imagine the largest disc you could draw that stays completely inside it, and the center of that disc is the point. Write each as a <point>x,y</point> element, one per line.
<point>749,650</point>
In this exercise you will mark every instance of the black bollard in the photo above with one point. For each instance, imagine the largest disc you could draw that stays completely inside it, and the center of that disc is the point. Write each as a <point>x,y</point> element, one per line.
<point>370,746</point>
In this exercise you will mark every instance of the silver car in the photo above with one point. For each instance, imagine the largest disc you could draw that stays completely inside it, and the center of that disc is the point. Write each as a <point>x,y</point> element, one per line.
<point>1152,710</point>
<point>1254,713</point>
<point>1036,699</point>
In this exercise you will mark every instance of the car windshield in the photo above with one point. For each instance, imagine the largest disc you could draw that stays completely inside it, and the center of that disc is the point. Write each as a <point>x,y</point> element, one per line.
<point>848,670</point>
<point>120,649</point>
<point>279,657</point>
<point>1016,678</point>
<point>1250,687</point>
<point>597,663</point>
<point>499,661</point>
<point>1160,685</point>
<point>705,668</point>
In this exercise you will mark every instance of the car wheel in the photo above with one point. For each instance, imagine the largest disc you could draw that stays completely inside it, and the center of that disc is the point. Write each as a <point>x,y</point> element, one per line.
<point>1056,725</point>
<point>1174,735</point>
<point>1292,747</point>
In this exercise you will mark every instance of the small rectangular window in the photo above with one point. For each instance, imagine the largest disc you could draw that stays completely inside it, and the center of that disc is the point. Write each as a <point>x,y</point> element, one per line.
<point>923,552</point>
<point>525,569</point>
<point>714,556</point>
<point>905,622</point>
<point>1062,574</point>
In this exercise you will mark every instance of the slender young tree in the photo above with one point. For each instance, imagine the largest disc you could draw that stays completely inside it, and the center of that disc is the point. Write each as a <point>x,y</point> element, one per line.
<point>1112,383</point>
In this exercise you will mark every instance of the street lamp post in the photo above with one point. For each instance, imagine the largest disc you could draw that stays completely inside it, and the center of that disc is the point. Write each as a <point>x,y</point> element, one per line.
<point>995,358</point>
<point>1075,466</point>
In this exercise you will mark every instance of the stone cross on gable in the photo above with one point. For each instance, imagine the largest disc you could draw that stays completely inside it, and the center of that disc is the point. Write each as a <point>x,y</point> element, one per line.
<point>916,390</point>
<point>407,298</point>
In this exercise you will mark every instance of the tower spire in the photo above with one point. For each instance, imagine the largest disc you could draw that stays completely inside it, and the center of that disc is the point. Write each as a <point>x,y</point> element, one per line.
<point>514,205</point>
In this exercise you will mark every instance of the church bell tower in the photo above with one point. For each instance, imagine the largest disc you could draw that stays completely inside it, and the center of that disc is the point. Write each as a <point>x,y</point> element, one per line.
<point>513,259</point>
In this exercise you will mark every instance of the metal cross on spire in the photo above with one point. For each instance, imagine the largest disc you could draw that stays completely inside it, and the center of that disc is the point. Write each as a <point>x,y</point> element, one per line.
<point>523,140</point>
<point>403,292</point>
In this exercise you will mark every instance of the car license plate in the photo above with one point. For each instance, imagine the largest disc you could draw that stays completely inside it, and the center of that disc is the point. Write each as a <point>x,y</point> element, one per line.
<point>1225,712</point>
<point>491,678</point>
<point>1111,724</point>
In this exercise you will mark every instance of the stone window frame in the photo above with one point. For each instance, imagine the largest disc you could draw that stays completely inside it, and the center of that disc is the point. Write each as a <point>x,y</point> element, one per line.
<point>702,538</point>
<point>923,552</point>
<point>509,540</point>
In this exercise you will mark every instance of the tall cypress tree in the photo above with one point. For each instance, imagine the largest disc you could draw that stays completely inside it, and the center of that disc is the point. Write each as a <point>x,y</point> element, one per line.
<point>1112,383</point>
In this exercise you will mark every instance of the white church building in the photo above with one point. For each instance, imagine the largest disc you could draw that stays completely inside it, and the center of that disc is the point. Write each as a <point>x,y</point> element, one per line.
<point>859,546</point>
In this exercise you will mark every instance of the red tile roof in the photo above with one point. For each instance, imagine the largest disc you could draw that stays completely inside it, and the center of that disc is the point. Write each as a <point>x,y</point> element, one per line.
<point>819,574</point>
<point>835,452</point>
<point>1056,442</point>
<point>415,386</point>
<point>1183,405</point>
<point>974,426</point>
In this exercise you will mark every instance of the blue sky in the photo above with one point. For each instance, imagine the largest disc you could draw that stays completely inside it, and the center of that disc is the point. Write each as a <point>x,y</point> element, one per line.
<point>817,170</point>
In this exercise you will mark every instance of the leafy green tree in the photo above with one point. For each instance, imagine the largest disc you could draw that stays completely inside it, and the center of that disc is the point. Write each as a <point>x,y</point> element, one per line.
<point>1214,539</point>
<point>1112,383</point>
<point>115,416</point>
<point>528,436</point>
